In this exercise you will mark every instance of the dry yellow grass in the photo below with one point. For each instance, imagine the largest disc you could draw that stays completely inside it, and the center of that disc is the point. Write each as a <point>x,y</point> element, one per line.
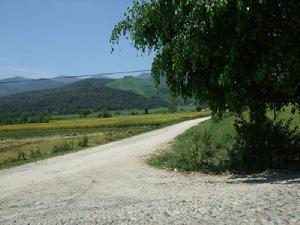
<point>120,121</point>
<point>27,139</point>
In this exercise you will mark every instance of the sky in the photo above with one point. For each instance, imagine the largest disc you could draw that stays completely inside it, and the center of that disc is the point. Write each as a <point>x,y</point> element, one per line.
<point>48,38</point>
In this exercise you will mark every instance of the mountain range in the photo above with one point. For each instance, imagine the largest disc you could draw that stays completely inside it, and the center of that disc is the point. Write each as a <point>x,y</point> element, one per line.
<point>20,84</point>
<point>77,95</point>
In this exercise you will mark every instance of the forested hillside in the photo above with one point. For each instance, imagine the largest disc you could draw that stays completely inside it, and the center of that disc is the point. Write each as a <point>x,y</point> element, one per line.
<point>140,86</point>
<point>93,94</point>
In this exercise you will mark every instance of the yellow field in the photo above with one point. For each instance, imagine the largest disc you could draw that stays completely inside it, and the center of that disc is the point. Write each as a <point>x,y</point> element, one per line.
<point>120,121</point>
<point>19,142</point>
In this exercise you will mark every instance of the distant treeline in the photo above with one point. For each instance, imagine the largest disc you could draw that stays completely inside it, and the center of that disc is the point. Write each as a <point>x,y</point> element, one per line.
<point>44,118</point>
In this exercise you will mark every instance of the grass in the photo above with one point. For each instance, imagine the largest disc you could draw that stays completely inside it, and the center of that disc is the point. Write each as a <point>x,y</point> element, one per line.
<point>180,154</point>
<point>142,87</point>
<point>90,123</point>
<point>25,143</point>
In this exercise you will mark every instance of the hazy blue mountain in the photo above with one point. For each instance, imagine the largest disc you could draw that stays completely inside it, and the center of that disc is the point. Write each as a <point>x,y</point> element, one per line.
<point>66,79</point>
<point>99,76</point>
<point>21,84</point>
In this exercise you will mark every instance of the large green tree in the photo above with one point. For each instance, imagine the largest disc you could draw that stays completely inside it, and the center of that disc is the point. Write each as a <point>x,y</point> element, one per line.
<point>235,54</point>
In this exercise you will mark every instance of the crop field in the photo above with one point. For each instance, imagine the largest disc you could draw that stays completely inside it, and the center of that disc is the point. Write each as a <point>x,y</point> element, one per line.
<point>124,112</point>
<point>23,143</point>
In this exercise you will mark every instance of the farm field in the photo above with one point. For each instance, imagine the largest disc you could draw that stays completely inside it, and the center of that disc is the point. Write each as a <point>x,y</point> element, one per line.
<point>23,143</point>
<point>159,110</point>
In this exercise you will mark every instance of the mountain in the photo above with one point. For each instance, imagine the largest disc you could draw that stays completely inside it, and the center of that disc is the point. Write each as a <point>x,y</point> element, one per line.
<point>145,76</point>
<point>18,84</point>
<point>146,87</point>
<point>21,84</point>
<point>94,94</point>
<point>100,76</point>
<point>66,79</point>
<point>140,86</point>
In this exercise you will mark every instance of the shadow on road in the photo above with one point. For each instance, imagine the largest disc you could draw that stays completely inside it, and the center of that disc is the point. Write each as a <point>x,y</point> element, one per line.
<point>273,178</point>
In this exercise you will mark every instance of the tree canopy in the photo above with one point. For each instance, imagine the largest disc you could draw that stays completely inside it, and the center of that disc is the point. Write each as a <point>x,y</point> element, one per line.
<point>236,54</point>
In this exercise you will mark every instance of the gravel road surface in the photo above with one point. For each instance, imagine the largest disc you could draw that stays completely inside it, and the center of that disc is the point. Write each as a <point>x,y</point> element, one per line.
<point>111,184</point>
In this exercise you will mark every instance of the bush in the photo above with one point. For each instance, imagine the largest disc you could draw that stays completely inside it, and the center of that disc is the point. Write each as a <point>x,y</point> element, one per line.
<point>270,145</point>
<point>35,154</point>
<point>83,142</point>
<point>205,155</point>
<point>39,119</point>
<point>146,111</point>
<point>201,154</point>
<point>104,114</point>
<point>85,113</point>
<point>63,147</point>
<point>21,155</point>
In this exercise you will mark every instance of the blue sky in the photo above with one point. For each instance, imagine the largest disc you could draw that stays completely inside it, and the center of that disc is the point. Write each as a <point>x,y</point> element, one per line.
<point>46,38</point>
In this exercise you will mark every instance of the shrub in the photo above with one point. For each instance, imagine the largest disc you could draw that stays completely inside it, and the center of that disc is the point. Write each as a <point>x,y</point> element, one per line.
<point>83,142</point>
<point>35,154</point>
<point>85,113</point>
<point>104,114</point>
<point>206,155</point>
<point>39,119</point>
<point>200,154</point>
<point>146,111</point>
<point>63,147</point>
<point>272,145</point>
<point>21,155</point>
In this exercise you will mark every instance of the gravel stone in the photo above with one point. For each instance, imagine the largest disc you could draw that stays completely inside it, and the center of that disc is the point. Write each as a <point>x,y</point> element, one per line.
<point>111,184</point>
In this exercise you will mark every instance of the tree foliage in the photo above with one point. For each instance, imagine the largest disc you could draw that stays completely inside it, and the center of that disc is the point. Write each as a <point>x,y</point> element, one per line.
<point>241,55</point>
<point>236,54</point>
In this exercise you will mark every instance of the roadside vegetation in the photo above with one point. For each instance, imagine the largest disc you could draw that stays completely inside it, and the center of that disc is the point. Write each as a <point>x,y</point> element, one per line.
<point>212,147</point>
<point>23,143</point>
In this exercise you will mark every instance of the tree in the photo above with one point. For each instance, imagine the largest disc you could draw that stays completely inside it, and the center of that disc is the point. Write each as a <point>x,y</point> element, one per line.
<point>236,54</point>
<point>241,55</point>
<point>85,113</point>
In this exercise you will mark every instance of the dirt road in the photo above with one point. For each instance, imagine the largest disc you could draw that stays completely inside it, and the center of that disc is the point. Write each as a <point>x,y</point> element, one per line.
<point>111,184</point>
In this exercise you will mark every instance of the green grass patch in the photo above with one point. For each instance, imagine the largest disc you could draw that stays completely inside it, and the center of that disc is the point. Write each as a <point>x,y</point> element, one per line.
<point>189,150</point>
<point>205,147</point>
